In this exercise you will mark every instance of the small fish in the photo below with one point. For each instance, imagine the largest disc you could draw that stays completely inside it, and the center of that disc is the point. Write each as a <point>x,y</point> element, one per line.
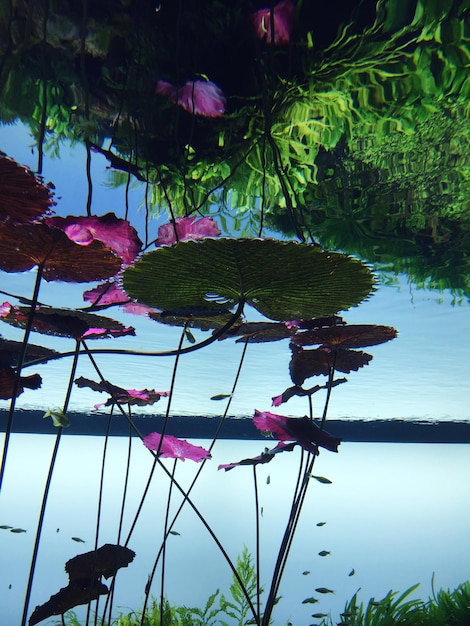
<point>324,590</point>
<point>324,553</point>
<point>221,396</point>
<point>17,530</point>
<point>78,540</point>
<point>321,523</point>
<point>189,336</point>
<point>57,530</point>
<point>175,532</point>
<point>319,615</point>
<point>268,480</point>
<point>9,586</point>
<point>5,527</point>
<point>59,418</point>
<point>352,572</point>
<point>310,601</point>
<point>322,479</point>
<point>306,573</point>
<point>262,511</point>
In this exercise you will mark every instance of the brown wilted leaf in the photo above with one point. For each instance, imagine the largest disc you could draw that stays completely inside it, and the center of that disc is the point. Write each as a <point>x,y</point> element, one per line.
<point>354,336</point>
<point>307,363</point>
<point>24,196</point>
<point>26,245</point>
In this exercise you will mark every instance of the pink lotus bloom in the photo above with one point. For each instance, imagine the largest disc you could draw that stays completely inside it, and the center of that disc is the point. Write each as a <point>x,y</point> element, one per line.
<point>101,333</point>
<point>283,13</point>
<point>187,228</point>
<point>115,233</point>
<point>109,293</point>
<point>105,294</point>
<point>173,448</point>
<point>302,430</point>
<point>198,97</point>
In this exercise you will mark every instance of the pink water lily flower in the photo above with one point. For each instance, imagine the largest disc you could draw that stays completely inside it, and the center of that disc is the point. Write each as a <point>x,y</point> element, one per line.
<point>109,293</point>
<point>174,448</point>
<point>283,14</point>
<point>115,233</point>
<point>197,97</point>
<point>302,430</point>
<point>187,228</point>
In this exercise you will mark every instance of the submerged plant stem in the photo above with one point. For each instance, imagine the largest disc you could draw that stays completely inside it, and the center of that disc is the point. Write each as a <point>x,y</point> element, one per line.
<point>46,491</point>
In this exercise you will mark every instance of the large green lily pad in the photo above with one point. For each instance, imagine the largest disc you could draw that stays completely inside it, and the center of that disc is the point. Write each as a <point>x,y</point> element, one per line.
<point>282,280</point>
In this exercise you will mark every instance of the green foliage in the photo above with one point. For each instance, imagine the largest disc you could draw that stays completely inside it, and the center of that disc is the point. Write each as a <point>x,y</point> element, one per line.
<point>447,608</point>
<point>237,608</point>
<point>282,280</point>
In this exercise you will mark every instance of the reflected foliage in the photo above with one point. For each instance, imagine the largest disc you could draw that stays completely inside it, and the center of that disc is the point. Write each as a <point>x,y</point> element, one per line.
<point>351,127</point>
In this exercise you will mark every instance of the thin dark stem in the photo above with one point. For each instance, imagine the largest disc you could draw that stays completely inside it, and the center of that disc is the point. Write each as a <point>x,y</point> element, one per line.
<point>197,346</point>
<point>295,511</point>
<point>258,584</point>
<point>19,367</point>
<point>165,528</point>
<point>46,493</point>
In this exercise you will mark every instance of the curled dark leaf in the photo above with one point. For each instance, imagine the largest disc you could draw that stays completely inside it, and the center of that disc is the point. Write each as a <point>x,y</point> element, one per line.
<point>307,363</point>
<point>119,395</point>
<point>24,246</point>
<point>65,322</point>
<point>265,457</point>
<point>7,383</point>
<point>258,332</point>
<point>24,195</point>
<point>353,336</point>
<point>10,351</point>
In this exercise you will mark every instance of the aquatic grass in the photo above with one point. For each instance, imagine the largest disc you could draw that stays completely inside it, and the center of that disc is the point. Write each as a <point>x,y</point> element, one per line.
<point>446,608</point>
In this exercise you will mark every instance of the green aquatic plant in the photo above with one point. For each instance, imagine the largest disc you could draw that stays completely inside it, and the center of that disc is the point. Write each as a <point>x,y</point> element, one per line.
<point>446,608</point>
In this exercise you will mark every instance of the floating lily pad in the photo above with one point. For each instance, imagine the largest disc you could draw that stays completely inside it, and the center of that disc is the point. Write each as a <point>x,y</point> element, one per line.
<point>24,246</point>
<point>64,322</point>
<point>353,336</point>
<point>307,363</point>
<point>24,195</point>
<point>282,280</point>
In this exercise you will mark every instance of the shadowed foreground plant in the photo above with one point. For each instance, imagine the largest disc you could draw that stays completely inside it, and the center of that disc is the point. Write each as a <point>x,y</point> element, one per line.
<point>446,608</point>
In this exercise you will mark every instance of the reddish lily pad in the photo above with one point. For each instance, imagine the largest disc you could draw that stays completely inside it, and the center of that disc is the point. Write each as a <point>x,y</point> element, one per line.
<point>300,429</point>
<point>24,196</point>
<point>259,332</point>
<point>193,317</point>
<point>354,336</point>
<point>10,351</point>
<point>307,363</point>
<point>7,383</point>
<point>26,245</point>
<point>282,280</point>
<point>139,397</point>
<point>64,322</point>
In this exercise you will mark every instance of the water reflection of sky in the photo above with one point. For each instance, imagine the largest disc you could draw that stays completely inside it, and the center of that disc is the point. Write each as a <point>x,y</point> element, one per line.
<point>418,375</point>
<point>396,513</point>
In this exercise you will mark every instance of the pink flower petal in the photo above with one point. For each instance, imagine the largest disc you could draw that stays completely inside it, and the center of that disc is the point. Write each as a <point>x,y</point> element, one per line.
<point>302,430</point>
<point>115,233</point>
<point>174,448</point>
<point>106,294</point>
<point>283,14</point>
<point>197,97</point>
<point>187,228</point>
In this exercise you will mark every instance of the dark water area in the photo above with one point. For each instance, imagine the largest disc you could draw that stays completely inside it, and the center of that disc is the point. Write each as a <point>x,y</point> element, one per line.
<point>242,428</point>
